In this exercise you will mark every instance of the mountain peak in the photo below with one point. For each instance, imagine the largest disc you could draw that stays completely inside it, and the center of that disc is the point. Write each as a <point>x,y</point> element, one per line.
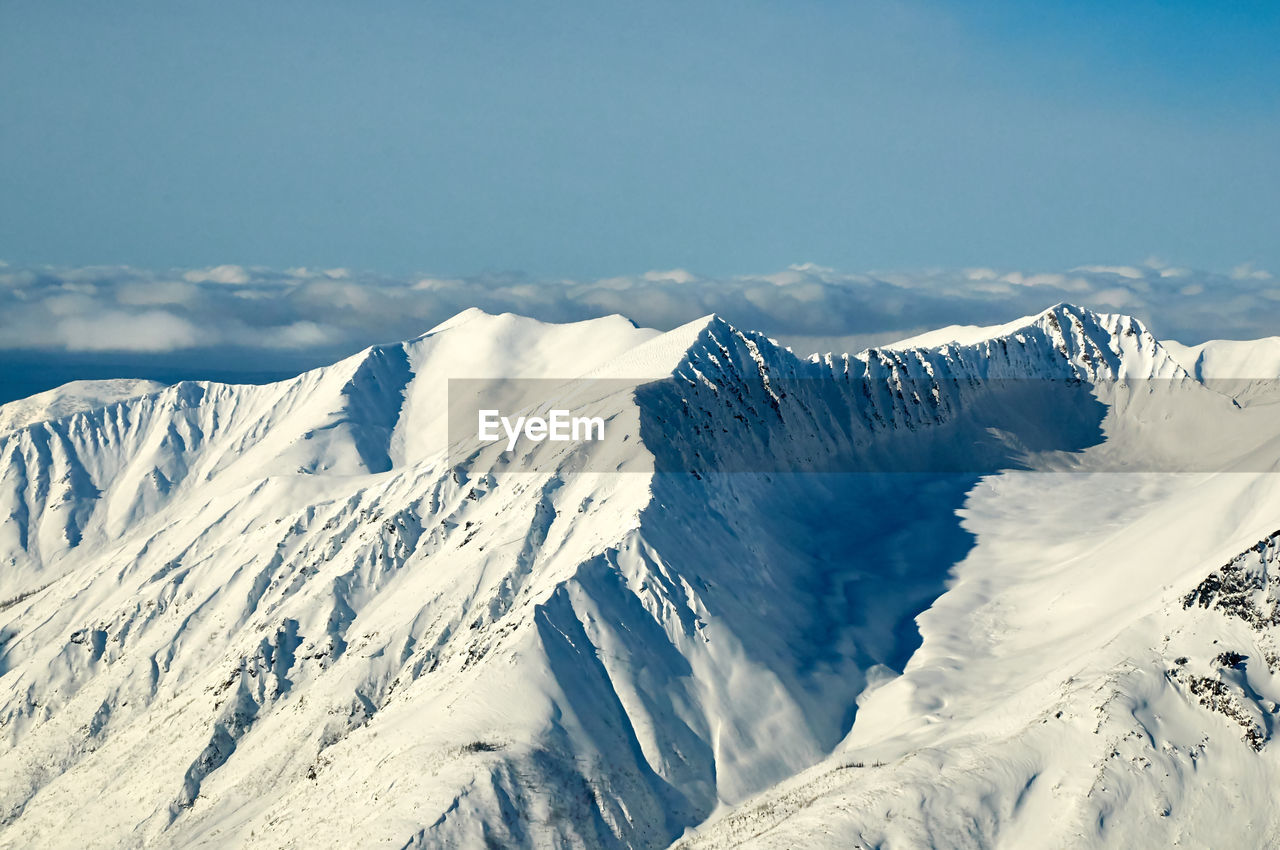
<point>663,354</point>
<point>1096,345</point>
<point>458,319</point>
<point>481,318</point>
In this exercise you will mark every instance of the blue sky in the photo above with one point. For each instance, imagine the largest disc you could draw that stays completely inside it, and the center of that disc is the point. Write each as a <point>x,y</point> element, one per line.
<point>598,138</point>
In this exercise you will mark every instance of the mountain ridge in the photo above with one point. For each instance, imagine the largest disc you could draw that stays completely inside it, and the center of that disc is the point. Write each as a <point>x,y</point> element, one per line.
<point>269,615</point>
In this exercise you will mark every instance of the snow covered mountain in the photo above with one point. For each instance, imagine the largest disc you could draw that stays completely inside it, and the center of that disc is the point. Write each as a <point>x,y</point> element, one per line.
<point>998,587</point>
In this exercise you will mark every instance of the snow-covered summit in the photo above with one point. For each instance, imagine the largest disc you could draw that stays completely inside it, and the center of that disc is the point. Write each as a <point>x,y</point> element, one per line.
<point>1100,346</point>
<point>71,398</point>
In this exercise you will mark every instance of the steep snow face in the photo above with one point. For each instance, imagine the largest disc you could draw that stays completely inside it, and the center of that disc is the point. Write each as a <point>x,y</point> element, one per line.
<point>1034,396</point>
<point>267,567</point>
<point>274,616</point>
<point>1101,671</point>
<point>1104,676</point>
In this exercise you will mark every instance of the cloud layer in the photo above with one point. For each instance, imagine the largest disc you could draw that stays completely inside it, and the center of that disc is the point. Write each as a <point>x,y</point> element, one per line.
<point>121,309</point>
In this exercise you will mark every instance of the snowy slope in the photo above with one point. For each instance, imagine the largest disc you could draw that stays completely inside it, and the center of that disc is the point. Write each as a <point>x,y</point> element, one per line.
<point>1247,370</point>
<point>278,616</point>
<point>1072,689</point>
<point>71,398</point>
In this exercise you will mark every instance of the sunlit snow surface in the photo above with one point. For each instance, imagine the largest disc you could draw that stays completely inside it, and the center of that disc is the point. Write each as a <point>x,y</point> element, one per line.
<point>279,616</point>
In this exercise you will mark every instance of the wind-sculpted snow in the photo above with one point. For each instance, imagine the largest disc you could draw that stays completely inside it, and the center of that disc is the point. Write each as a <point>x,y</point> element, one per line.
<point>287,615</point>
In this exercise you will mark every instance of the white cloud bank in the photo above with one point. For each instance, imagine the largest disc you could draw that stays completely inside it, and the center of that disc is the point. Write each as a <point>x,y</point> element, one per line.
<point>132,310</point>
